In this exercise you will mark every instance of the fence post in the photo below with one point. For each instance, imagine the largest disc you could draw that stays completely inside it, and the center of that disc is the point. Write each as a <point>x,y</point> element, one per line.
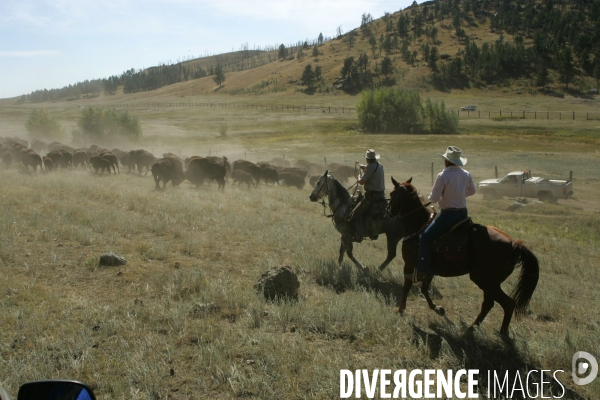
<point>325,160</point>
<point>500,112</point>
<point>432,173</point>
<point>523,114</point>
<point>496,169</point>
<point>570,175</point>
<point>244,155</point>
<point>573,115</point>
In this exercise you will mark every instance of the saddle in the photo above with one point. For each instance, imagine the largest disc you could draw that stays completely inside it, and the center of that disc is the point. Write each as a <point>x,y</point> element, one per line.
<point>453,244</point>
<point>378,209</point>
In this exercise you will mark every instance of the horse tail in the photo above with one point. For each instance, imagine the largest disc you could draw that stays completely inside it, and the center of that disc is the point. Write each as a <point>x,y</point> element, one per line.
<point>528,279</point>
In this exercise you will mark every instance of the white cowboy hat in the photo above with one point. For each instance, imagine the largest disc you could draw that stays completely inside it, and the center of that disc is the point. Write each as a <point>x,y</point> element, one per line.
<point>371,155</point>
<point>454,155</point>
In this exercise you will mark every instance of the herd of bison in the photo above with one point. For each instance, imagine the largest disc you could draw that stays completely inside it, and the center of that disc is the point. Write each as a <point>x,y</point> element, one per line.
<point>170,167</point>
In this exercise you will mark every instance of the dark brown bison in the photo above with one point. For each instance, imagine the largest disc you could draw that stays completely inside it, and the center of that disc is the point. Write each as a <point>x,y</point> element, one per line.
<point>344,173</point>
<point>240,176</point>
<point>30,158</point>
<point>269,174</point>
<point>298,171</point>
<point>209,168</point>
<point>292,179</point>
<point>61,158</point>
<point>300,164</point>
<point>68,157</point>
<point>100,163</point>
<point>94,150</point>
<point>313,180</point>
<point>145,160</point>
<point>168,169</point>
<point>80,157</point>
<point>112,159</point>
<point>48,163</point>
<point>249,167</point>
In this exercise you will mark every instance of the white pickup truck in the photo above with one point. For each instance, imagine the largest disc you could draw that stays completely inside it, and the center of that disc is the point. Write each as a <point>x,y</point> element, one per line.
<point>522,184</point>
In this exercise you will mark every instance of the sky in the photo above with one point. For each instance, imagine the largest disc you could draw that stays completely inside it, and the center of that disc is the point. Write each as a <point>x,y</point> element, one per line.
<point>49,44</point>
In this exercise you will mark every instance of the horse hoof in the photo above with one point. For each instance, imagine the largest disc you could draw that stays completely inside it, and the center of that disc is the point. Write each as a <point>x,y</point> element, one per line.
<point>440,311</point>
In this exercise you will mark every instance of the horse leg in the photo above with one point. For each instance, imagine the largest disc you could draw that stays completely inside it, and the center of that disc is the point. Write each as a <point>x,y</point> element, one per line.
<point>405,290</point>
<point>342,250</point>
<point>508,305</point>
<point>425,290</point>
<point>392,243</point>
<point>349,248</point>
<point>486,306</point>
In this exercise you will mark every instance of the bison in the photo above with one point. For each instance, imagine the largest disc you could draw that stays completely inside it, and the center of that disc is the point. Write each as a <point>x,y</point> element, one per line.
<point>269,173</point>
<point>240,176</point>
<point>249,167</point>
<point>293,179</point>
<point>100,163</point>
<point>168,169</point>
<point>146,160</point>
<point>30,158</point>
<point>343,173</point>
<point>298,171</point>
<point>80,157</point>
<point>61,158</point>
<point>112,159</point>
<point>201,169</point>
<point>48,163</point>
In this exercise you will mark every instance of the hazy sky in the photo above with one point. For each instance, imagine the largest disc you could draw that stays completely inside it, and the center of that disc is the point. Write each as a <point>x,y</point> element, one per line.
<point>47,44</point>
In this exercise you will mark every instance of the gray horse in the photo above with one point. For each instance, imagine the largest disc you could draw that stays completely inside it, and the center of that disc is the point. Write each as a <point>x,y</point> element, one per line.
<point>340,203</point>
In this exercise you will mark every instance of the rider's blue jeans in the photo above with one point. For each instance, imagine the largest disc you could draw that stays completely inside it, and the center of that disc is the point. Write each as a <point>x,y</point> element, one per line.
<point>438,227</point>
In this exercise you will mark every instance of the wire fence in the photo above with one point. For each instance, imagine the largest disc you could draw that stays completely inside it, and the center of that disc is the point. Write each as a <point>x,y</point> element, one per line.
<point>462,114</point>
<point>259,107</point>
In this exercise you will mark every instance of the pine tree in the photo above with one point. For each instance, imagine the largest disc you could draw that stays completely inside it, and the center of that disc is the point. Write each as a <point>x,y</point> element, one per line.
<point>219,75</point>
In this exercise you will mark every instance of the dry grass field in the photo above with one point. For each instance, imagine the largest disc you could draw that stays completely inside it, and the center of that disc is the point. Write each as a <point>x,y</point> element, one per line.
<point>181,319</point>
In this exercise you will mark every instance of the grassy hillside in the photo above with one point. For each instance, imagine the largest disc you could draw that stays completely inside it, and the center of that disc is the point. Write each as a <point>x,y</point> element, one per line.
<point>544,30</point>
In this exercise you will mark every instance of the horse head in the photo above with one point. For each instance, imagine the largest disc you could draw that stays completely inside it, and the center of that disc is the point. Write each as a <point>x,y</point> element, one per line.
<point>401,196</point>
<point>321,188</point>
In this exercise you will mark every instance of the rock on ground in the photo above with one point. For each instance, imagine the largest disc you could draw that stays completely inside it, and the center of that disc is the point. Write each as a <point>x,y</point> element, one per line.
<point>111,259</point>
<point>279,282</point>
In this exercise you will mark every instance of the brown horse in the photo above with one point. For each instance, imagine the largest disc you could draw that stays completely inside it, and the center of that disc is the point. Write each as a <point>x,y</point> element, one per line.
<point>492,256</point>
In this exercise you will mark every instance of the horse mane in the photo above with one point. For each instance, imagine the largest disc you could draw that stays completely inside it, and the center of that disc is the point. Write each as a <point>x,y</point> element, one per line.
<point>340,189</point>
<point>412,191</point>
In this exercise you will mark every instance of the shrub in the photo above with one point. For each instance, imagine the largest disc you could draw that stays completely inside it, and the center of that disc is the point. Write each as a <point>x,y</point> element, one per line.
<point>41,124</point>
<point>440,120</point>
<point>223,130</point>
<point>98,123</point>
<point>389,110</point>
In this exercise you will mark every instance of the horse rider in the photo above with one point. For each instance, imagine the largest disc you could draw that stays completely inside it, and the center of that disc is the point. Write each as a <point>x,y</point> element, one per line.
<point>374,184</point>
<point>451,188</point>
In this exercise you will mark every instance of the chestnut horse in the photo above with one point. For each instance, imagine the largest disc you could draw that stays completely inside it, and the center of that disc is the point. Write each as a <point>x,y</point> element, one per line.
<point>492,255</point>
